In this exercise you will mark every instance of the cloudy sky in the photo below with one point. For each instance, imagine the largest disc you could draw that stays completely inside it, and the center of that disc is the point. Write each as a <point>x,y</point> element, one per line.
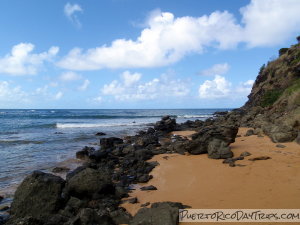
<point>138,54</point>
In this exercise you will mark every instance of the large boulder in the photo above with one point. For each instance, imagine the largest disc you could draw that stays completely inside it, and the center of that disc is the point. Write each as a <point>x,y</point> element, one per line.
<point>89,182</point>
<point>282,133</point>
<point>162,213</point>
<point>110,143</point>
<point>39,196</point>
<point>166,124</point>
<point>219,149</point>
<point>89,216</point>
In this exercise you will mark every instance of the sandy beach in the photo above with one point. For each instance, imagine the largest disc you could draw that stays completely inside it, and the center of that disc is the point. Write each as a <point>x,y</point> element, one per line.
<point>200,182</point>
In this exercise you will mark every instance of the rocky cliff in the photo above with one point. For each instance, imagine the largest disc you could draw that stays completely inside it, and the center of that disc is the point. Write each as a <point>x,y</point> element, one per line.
<point>274,102</point>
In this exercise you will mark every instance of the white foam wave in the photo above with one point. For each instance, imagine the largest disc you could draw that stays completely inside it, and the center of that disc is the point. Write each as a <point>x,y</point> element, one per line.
<point>195,116</point>
<point>91,125</point>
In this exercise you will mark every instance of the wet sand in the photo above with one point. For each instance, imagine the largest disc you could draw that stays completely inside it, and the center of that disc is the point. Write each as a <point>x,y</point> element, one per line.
<point>200,182</point>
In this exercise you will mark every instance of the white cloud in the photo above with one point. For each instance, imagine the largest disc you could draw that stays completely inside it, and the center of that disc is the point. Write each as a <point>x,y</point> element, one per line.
<point>11,95</point>
<point>245,88</point>
<point>58,95</point>
<point>270,22</point>
<point>219,87</point>
<point>130,88</point>
<point>217,69</point>
<point>167,39</point>
<point>69,76</point>
<point>22,62</point>
<point>84,85</point>
<point>70,11</point>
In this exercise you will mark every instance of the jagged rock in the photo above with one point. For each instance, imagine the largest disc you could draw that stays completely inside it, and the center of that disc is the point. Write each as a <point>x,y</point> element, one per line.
<point>85,152</point>
<point>166,124</point>
<point>89,216</point>
<point>219,149</point>
<point>100,134</point>
<point>109,143</point>
<point>146,140</point>
<point>39,196</point>
<point>281,133</point>
<point>120,216</point>
<point>89,182</point>
<point>161,213</point>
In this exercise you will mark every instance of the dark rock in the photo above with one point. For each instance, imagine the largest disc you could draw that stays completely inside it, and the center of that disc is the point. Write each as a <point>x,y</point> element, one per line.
<point>166,124</point>
<point>249,132</point>
<point>220,113</point>
<point>298,138</point>
<point>85,152</point>
<point>27,220</point>
<point>109,143</point>
<point>280,146</point>
<point>245,154</point>
<point>38,196</point>
<point>1,198</point>
<point>145,178</point>
<point>232,164</point>
<point>281,133</point>
<point>100,134</point>
<point>120,216</point>
<point>133,200</point>
<point>74,172</point>
<point>88,182</point>
<point>163,213</point>
<point>120,192</point>
<point>219,149</point>
<point>89,216</point>
<point>145,204</point>
<point>98,155</point>
<point>60,169</point>
<point>146,140</point>
<point>148,188</point>
<point>259,158</point>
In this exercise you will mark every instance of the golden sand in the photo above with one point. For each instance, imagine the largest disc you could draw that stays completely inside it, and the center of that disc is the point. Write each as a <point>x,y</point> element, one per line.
<point>200,182</point>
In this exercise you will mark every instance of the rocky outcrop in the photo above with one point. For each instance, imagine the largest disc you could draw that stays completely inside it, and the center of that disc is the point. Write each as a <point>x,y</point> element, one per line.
<point>274,102</point>
<point>161,213</point>
<point>166,124</point>
<point>39,196</point>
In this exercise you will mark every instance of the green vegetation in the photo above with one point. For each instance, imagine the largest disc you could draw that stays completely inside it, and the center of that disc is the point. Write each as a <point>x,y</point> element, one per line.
<point>262,69</point>
<point>270,97</point>
<point>294,87</point>
<point>296,59</point>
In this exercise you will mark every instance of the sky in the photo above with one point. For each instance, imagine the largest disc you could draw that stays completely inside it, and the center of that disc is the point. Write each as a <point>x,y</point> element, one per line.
<point>133,54</point>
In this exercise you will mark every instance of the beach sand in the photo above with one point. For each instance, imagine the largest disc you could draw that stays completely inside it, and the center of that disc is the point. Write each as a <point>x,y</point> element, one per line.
<point>200,182</point>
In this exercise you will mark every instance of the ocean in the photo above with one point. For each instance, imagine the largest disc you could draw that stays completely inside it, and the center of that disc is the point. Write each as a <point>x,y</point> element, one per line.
<point>43,139</point>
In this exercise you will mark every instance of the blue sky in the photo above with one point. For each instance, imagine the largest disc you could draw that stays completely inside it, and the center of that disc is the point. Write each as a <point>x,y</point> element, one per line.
<point>138,54</point>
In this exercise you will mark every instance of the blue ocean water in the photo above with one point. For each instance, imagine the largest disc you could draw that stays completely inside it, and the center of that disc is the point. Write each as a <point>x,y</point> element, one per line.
<point>42,139</point>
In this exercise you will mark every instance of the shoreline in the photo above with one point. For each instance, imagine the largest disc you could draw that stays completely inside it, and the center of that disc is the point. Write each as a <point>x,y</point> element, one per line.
<point>190,178</point>
<point>200,182</point>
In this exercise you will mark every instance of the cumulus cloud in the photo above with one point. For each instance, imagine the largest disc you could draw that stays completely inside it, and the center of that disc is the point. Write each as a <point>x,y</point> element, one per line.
<point>219,87</point>
<point>84,85</point>
<point>270,22</point>
<point>130,88</point>
<point>217,69</point>
<point>71,11</point>
<point>21,60</point>
<point>245,87</point>
<point>11,95</point>
<point>70,76</point>
<point>58,95</point>
<point>166,39</point>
